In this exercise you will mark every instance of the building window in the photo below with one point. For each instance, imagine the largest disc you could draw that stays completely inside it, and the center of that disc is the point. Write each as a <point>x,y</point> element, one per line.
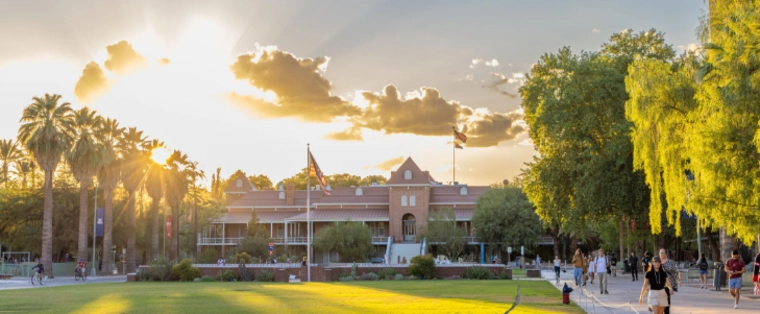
<point>280,231</point>
<point>358,191</point>
<point>412,200</point>
<point>463,191</point>
<point>407,175</point>
<point>403,200</point>
<point>239,183</point>
<point>381,229</point>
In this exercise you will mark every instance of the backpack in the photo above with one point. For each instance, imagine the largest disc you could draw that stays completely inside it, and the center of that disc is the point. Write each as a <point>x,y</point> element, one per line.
<point>702,265</point>
<point>596,262</point>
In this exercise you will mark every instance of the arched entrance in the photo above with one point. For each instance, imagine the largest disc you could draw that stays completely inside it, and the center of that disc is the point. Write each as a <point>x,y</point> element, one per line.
<point>410,228</point>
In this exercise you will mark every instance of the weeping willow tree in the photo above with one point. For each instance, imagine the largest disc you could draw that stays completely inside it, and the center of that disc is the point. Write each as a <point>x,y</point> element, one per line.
<point>700,116</point>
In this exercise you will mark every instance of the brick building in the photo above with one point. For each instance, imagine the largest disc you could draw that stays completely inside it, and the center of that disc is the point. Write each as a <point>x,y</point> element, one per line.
<point>394,212</point>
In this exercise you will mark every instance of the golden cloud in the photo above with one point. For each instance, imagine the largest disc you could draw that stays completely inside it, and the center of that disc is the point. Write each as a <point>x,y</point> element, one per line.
<point>122,58</point>
<point>350,134</point>
<point>389,164</point>
<point>301,90</point>
<point>92,82</point>
<point>493,127</point>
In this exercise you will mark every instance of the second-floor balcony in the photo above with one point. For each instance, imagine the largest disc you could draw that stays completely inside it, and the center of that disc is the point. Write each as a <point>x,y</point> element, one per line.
<point>276,241</point>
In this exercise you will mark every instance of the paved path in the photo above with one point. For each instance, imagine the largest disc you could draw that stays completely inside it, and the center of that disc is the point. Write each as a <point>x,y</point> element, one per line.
<point>25,282</point>
<point>688,299</point>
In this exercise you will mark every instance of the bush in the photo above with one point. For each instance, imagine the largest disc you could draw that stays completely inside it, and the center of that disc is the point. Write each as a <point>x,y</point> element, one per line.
<point>422,266</point>
<point>346,276</point>
<point>398,277</point>
<point>477,272</point>
<point>206,279</point>
<point>185,271</point>
<point>369,276</point>
<point>387,273</point>
<point>227,275</point>
<point>265,276</point>
<point>243,256</point>
<point>208,256</point>
<point>505,275</point>
<point>160,270</point>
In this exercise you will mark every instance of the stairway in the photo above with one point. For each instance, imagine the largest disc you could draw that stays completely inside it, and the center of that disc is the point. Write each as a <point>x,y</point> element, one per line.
<point>404,250</point>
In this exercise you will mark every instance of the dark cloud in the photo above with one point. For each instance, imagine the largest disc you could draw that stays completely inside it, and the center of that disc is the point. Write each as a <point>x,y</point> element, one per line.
<point>491,128</point>
<point>122,57</point>
<point>92,82</point>
<point>498,80</point>
<point>301,89</point>
<point>424,114</point>
<point>389,164</point>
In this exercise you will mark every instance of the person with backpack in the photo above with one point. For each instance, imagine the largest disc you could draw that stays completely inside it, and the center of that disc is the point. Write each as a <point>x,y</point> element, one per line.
<point>602,264</point>
<point>702,266</point>
<point>646,260</point>
<point>613,266</point>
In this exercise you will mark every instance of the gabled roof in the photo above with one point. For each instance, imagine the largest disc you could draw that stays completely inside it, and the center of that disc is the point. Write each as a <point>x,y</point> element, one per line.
<point>418,176</point>
<point>246,187</point>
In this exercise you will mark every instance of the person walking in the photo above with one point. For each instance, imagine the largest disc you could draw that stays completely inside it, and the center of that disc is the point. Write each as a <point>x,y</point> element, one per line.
<point>557,264</point>
<point>735,267</point>
<point>633,263</point>
<point>613,265</point>
<point>656,280</point>
<point>602,262</point>
<point>578,267</point>
<point>702,266</point>
<point>672,270</point>
<point>591,268</point>
<point>538,261</point>
<point>756,275</point>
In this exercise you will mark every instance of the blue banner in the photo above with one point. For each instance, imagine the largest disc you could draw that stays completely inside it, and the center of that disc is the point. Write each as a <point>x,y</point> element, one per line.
<point>99,222</point>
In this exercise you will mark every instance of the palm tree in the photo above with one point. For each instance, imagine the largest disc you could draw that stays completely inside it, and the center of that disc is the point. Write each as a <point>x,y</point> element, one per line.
<point>108,177</point>
<point>86,158</point>
<point>176,189</point>
<point>155,185</point>
<point>133,170</point>
<point>24,168</point>
<point>195,174</point>
<point>47,131</point>
<point>9,153</point>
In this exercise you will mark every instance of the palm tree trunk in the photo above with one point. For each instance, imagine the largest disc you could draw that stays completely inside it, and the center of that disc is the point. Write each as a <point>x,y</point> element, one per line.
<point>82,249</point>
<point>154,229</point>
<point>131,232</point>
<point>47,225</point>
<point>195,224</point>
<point>175,232</point>
<point>107,232</point>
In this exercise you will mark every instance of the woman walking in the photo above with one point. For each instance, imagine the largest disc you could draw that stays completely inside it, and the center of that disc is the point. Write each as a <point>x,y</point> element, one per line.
<point>557,264</point>
<point>702,266</point>
<point>670,268</point>
<point>578,267</point>
<point>656,280</point>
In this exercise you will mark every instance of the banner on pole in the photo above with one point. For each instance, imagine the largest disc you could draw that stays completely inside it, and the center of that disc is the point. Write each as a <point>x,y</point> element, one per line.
<point>168,227</point>
<point>271,248</point>
<point>99,222</point>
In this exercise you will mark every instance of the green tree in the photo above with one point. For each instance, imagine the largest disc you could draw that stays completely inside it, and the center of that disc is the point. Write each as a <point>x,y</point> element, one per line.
<point>195,175</point>
<point>344,180</point>
<point>47,131</point>
<point>9,154</point>
<point>256,241</point>
<point>108,178</point>
<point>442,231</point>
<point>85,159</point>
<point>155,184</point>
<point>299,180</point>
<point>505,217</point>
<point>134,167</point>
<point>177,186</point>
<point>351,239</point>
<point>261,182</point>
<point>368,180</point>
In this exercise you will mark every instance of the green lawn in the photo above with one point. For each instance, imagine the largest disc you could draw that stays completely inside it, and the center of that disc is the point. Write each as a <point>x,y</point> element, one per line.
<point>440,296</point>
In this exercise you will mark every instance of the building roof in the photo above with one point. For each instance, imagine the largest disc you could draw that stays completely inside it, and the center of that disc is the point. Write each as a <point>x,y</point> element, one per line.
<point>452,194</point>
<point>343,214</point>
<point>244,216</point>
<point>418,176</point>
<point>245,187</point>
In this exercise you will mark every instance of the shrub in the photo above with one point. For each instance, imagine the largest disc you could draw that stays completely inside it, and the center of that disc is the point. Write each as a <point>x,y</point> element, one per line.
<point>185,271</point>
<point>504,274</point>
<point>160,270</point>
<point>369,276</point>
<point>346,276</point>
<point>227,275</point>
<point>206,279</point>
<point>387,273</point>
<point>398,277</point>
<point>265,276</point>
<point>208,256</point>
<point>477,272</point>
<point>244,257</point>
<point>422,266</point>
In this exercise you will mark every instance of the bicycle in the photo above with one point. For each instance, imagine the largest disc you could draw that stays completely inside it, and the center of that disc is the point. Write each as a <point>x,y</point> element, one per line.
<point>38,278</point>
<point>79,274</point>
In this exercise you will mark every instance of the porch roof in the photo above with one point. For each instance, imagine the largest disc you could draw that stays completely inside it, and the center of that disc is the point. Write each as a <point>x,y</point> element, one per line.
<point>343,214</point>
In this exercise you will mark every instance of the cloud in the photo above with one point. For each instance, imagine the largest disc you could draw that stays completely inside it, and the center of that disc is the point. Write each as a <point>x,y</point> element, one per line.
<point>491,63</point>
<point>498,79</point>
<point>490,128</point>
<point>92,83</point>
<point>526,142</point>
<point>690,47</point>
<point>595,30</point>
<point>350,134</point>
<point>389,164</point>
<point>122,57</point>
<point>301,90</point>
<point>164,61</point>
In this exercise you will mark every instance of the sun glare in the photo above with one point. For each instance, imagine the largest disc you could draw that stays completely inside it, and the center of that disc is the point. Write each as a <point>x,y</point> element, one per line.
<point>160,155</point>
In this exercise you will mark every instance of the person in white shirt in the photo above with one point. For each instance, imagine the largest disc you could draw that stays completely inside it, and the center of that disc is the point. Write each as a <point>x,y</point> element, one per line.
<point>538,261</point>
<point>591,269</point>
<point>601,263</point>
<point>557,265</point>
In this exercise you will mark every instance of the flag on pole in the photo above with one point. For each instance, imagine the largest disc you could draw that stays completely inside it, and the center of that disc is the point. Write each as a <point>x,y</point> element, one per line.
<point>459,136</point>
<point>316,172</point>
<point>456,145</point>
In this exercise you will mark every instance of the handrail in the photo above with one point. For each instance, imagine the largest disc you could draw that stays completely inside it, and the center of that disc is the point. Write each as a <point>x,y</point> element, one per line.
<point>388,250</point>
<point>422,246</point>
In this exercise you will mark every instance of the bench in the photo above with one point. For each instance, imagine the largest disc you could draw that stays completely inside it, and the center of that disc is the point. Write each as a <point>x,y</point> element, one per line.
<point>2,277</point>
<point>533,273</point>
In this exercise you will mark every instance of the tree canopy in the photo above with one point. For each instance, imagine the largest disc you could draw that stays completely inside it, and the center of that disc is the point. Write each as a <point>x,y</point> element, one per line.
<point>505,217</point>
<point>351,239</point>
<point>442,231</point>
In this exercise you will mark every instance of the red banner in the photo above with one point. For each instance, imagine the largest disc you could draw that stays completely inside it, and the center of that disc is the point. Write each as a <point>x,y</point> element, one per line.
<point>168,227</point>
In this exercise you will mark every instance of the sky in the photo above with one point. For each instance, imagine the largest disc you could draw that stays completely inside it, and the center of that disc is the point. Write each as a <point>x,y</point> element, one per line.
<point>248,84</point>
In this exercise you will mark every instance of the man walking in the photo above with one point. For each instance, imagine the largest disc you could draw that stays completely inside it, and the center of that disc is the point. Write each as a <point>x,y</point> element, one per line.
<point>601,263</point>
<point>633,261</point>
<point>735,268</point>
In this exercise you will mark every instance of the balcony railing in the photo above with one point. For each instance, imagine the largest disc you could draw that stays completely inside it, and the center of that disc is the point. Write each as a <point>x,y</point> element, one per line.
<point>289,240</point>
<point>219,241</point>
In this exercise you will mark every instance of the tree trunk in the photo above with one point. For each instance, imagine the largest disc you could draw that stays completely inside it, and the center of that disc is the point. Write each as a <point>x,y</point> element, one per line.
<point>195,224</point>
<point>82,243</point>
<point>555,239</point>
<point>573,244</point>
<point>47,225</point>
<point>107,232</point>
<point>175,232</point>
<point>620,235</point>
<point>727,244</point>
<point>714,247</point>
<point>154,229</point>
<point>130,260</point>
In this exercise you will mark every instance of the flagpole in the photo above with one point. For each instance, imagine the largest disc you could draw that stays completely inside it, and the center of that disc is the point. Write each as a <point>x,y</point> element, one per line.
<point>308,213</point>
<point>454,162</point>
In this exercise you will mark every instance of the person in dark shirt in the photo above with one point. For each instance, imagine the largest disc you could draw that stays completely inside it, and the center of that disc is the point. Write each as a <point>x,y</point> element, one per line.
<point>633,261</point>
<point>756,276</point>
<point>613,265</point>
<point>656,280</point>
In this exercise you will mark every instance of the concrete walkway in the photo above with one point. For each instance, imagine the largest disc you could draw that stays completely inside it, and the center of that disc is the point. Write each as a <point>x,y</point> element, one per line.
<point>689,298</point>
<point>25,282</point>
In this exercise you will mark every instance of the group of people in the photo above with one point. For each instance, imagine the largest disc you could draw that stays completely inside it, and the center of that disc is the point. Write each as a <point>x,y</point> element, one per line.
<point>599,268</point>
